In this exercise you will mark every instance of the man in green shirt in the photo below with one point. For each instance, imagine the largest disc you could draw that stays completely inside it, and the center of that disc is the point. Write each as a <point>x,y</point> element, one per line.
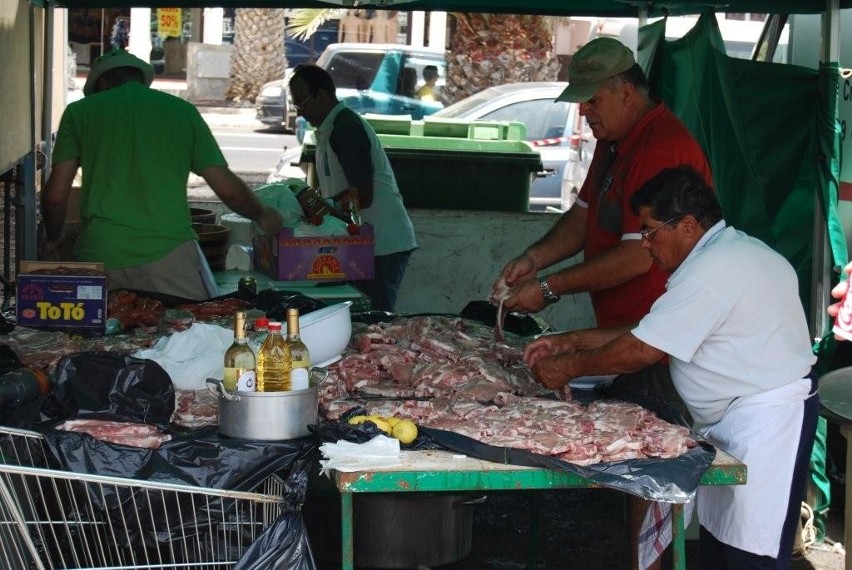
<point>137,146</point>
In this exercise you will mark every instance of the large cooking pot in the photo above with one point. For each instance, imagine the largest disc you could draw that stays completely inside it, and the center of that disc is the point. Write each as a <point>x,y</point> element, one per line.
<point>392,530</point>
<point>268,415</point>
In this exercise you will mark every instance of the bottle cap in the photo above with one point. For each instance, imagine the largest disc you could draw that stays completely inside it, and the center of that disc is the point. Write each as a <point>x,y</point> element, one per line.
<point>274,326</point>
<point>260,322</point>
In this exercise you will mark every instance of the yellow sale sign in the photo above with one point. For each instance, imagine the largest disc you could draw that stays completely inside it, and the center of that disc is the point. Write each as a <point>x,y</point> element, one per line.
<point>168,22</point>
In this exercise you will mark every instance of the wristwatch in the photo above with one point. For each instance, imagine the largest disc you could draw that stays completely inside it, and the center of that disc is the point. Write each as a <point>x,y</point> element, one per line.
<point>549,296</point>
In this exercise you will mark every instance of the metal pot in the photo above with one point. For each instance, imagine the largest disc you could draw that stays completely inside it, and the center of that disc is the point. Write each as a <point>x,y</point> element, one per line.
<point>392,530</point>
<point>268,415</point>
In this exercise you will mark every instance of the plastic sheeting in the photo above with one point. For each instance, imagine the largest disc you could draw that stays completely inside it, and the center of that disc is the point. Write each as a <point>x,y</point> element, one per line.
<point>121,388</point>
<point>668,480</point>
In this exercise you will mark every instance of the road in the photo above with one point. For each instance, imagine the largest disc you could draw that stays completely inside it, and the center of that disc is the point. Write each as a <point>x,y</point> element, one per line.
<point>250,149</point>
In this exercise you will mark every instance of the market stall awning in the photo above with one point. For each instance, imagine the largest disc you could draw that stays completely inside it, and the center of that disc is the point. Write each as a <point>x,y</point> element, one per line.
<point>600,8</point>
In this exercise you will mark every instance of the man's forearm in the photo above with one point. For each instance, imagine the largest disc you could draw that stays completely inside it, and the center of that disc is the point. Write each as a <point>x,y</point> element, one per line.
<point>54,198</point>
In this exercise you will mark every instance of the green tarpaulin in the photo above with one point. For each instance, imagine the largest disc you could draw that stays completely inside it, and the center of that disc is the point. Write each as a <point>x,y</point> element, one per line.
<point>770,133</point>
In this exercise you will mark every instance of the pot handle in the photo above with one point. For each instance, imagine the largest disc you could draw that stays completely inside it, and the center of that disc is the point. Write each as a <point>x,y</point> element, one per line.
<point>470,502</point>
<point>318,376</point>
<point>218,387</point>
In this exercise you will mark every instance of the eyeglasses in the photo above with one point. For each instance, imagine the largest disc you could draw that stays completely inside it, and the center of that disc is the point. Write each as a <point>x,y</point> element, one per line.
<point>305,100</point>
<point>646,233</point>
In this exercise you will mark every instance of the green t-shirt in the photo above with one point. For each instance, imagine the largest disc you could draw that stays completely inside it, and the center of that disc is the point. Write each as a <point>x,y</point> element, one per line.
<point>136,147</point>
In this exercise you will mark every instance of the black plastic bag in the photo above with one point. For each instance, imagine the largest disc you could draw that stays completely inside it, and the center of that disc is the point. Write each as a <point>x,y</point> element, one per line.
<point>110,386</point>
<point>667,480</point>
<point>275,303</point>
<point>201,458</point>
<point>486,313</point>
<point>341,429</point>
<point>282,546</point>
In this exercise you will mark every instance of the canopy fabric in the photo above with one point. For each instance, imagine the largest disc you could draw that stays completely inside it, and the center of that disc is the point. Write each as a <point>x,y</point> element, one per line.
<point>601,8</point>
<point>771,154</point>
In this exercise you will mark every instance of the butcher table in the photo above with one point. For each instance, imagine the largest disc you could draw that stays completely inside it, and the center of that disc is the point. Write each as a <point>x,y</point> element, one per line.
<point>435,471</point>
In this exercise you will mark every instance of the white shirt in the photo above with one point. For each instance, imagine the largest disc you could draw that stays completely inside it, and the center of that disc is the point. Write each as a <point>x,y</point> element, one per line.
<point>731,323</point>
<point>393,229</point>
<point>739,346</point>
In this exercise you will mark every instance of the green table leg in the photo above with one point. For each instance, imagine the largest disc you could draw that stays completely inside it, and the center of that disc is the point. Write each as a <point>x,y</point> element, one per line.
<point>678,538</point>
<point>347,541</point>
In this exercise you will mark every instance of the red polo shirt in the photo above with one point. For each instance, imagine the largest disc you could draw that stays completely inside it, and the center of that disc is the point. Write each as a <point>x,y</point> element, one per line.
<point>658,141</point>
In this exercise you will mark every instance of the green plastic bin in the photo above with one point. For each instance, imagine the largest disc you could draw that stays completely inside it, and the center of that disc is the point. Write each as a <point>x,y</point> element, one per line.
<point>458,173</point>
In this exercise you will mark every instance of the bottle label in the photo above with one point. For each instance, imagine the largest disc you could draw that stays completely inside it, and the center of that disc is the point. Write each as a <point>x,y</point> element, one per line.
<point>299,379</point>
<point>247,381</point>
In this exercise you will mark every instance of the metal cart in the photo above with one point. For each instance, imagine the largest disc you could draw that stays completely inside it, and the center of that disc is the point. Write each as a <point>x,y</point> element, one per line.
<point>54,519</point>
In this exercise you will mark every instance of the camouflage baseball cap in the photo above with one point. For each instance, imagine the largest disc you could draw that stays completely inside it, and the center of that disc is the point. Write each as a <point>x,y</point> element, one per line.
<point>594,63</point>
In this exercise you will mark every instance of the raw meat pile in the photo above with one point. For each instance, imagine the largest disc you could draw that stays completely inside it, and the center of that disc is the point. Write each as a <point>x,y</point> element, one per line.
<point>195,408</point>
<point>123,433</point>
<point>449,374</point>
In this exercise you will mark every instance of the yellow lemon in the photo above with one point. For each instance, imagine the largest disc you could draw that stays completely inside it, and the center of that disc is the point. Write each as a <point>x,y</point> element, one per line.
<point>393,420</point>
<point>381,424</point>
<point>405,431</point>
<point>355,420</point>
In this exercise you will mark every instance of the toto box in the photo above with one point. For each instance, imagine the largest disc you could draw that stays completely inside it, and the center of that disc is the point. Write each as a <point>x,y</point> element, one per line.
<point>322,258</point>
<point>62,296</point>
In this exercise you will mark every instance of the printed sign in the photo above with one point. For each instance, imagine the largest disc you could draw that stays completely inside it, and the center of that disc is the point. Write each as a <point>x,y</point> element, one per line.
<point>169,22</point>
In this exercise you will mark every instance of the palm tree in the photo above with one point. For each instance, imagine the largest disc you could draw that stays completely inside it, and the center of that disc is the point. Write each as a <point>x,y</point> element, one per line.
<point>491,49</point>
<point>485,49</point>
<point>258,52</point>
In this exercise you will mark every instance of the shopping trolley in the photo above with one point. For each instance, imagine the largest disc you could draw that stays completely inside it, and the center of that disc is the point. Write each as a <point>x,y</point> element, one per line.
<point>54,519</point>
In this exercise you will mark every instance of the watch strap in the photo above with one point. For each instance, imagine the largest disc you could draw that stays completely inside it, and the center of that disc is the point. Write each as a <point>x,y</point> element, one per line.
<point>546,292</point>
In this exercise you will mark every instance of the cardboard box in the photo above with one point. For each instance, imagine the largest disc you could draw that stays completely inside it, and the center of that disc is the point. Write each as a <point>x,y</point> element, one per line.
<point>73,301</point>
<point>325,258</point>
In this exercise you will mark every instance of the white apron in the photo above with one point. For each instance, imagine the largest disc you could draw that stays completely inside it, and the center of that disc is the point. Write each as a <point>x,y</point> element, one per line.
<point>763,432</point>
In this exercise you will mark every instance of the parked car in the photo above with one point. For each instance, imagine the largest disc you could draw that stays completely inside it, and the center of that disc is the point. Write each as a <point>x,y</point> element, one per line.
<point>370,78</point>
<point>551,128</point>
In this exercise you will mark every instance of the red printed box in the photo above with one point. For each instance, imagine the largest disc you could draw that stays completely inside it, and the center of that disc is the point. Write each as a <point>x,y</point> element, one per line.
<point>323,258</point>
<point>68,297</point>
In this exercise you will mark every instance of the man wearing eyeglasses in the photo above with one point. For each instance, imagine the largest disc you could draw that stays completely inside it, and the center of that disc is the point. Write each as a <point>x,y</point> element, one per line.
<point>734,329</point>
<point>637,137</point>
<point>353,169</point>
<point>136,147</point>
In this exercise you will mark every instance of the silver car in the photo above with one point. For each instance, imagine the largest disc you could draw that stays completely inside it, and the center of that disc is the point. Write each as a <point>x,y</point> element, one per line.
<point>555,129</point>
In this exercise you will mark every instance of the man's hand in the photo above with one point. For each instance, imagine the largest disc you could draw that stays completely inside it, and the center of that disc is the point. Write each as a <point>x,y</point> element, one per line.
<point>551,372</point>
<point>525,298</point>
<point>49,250</point>
<point>270,221</point>
<point>520,269</point>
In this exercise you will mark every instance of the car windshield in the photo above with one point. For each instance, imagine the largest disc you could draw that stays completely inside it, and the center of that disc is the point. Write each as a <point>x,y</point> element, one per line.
<point>544,118</point>
<point>354,70</point>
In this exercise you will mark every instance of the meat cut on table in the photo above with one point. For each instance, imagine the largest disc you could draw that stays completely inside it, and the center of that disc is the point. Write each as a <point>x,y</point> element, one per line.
<point>123,433</point>
<point>448,373</point>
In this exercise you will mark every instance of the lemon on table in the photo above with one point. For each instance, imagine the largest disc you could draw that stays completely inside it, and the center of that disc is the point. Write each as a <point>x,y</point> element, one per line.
<point>393,420</point>
<point>355,420</point>
<point>382,424</point>
<point>405,431</point>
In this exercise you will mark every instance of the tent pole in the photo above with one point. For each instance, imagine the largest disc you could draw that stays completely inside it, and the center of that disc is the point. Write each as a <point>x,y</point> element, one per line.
<point>47,109</point>
<point>822,257</point>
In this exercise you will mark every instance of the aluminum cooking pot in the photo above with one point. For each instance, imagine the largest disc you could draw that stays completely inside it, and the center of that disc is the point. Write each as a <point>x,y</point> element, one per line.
<point>268,415</point>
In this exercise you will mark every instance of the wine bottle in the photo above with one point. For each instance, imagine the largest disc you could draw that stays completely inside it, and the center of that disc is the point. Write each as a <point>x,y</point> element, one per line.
<point>259,334</point>
<point>240,362</point>
<point>299,355</point>
<point>273,362</point>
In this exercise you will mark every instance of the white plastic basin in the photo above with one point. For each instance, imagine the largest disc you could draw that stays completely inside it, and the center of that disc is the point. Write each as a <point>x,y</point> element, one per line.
<point>326,332</point>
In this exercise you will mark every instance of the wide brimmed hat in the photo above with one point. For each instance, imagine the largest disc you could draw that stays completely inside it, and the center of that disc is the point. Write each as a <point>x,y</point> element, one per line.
<point>112,60</point>
<point>593,64</point>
